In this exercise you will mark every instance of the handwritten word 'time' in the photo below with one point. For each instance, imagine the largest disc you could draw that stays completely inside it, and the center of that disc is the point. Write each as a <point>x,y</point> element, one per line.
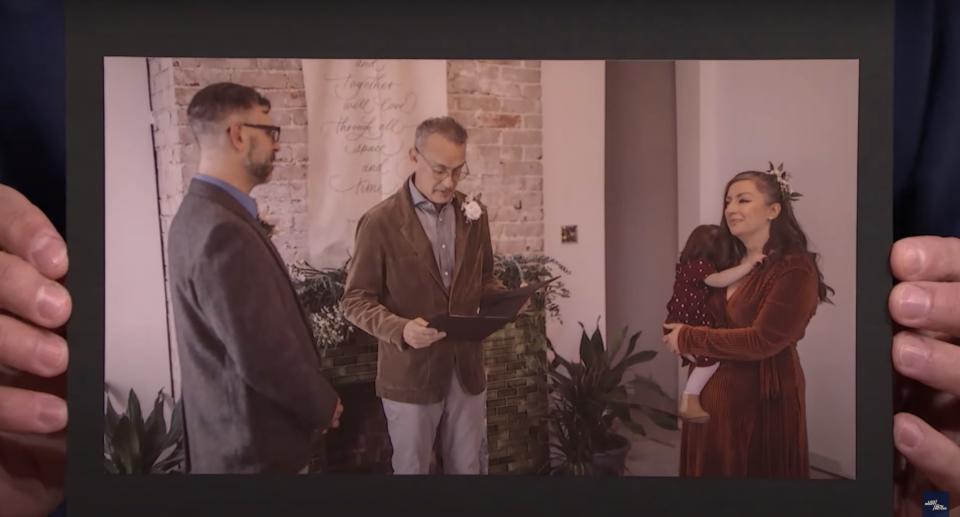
<point>344,184</point>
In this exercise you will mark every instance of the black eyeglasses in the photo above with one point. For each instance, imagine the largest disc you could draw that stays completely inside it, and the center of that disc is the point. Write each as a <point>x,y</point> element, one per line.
<point>442,172</point>
<point>273,131</point>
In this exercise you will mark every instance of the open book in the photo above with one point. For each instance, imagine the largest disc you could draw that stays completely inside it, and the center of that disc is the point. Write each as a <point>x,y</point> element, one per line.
<point>496,311</point>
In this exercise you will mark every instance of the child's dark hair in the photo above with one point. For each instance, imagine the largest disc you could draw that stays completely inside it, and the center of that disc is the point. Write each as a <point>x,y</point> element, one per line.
<point>707,242</point>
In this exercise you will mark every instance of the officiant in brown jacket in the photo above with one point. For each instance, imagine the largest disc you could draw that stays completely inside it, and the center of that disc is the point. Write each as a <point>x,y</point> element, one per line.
<point>426,251</point>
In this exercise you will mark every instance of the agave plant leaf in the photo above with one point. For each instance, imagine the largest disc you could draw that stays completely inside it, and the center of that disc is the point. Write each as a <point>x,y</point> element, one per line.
<point>557,358</point>
<point>135,414</point>
<point>155,430</point>
<point>595,354</point>
<point>610,381</point>
<point>639,357</point>
<point>647,392</point>
<point>173,460</point>
<point>111,420</point>
<point>169,465</point>
<point>618,395</point>
<point>643,385</point>
<point>585,350</point>
<point>563,382</point>
<point>175,433</point>
<point>614,346</point>
<point>622,411</point>
<point>126,446</point>
<point>631,346</point>
<point>109,466</point>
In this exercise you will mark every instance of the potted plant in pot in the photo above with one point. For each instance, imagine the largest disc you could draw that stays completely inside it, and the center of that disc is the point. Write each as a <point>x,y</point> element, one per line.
<point>587,398</point>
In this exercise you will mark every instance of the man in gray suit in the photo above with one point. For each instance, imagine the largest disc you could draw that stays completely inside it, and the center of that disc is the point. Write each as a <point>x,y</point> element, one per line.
<point>252,387</point>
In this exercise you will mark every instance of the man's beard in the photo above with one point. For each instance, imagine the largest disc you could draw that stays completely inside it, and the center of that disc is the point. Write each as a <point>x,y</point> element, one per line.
<point>260,171</point>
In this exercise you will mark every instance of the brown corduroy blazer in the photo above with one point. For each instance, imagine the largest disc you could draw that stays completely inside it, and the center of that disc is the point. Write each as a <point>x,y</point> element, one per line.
<point>394,278</point>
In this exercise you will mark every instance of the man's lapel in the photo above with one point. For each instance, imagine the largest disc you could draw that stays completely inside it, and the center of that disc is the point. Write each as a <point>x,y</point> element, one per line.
<point>462,234</point>
<point>227,201</point>
<point>412,231</point>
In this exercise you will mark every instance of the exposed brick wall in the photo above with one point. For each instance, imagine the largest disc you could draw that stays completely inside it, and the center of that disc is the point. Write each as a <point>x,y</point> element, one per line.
<point>497,101</point>
<point>282,201</point>
<point>499,104</point>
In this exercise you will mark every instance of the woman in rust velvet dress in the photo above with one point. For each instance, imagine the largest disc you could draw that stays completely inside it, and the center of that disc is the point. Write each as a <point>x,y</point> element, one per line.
<point>759,428</point>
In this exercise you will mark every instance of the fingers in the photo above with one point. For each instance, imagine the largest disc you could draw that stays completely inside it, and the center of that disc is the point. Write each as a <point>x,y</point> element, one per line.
<point>30,349</point>
<point>935,455</point>
<point>932,306</point>
<point>930,361</point>
<point>418,335</point>
<point>23,411</point>
<point>336,415</point>
<point>29,295</point>
<point>671,339</point>
<point>935,259</point>
<point>28,234</point>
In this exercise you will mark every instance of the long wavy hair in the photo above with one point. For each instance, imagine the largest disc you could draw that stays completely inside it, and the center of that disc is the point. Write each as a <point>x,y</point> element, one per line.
<point>786,235</point>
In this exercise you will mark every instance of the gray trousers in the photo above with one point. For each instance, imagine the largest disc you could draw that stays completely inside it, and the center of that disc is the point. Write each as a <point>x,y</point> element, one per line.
<point>460,419</point>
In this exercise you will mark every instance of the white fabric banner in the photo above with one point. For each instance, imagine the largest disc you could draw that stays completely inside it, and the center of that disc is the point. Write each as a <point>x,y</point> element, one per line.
<point>361,118</point>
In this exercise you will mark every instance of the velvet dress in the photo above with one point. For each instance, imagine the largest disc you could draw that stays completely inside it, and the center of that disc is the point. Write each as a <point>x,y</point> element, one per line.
<point>758,426</point>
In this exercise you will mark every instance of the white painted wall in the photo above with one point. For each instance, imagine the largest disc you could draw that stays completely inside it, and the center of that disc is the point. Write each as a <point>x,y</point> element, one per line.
<point>738,115</point>
<point>573,165</point>
<point>135,348</point>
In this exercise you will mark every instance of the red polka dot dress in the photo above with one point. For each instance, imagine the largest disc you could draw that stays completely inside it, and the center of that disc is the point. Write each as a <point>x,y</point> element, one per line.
<point>689,302</point>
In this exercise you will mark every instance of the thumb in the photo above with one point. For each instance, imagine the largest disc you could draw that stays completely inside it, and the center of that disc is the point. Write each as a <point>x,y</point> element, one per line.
<point>420,321</point>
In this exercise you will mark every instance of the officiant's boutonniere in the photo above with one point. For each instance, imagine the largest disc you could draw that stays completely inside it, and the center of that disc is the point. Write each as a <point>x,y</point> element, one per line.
<point>471,208</point>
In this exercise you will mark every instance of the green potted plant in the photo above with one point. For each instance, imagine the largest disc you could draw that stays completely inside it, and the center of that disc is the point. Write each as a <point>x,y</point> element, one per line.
<point>134,445</point>
<point>587,398</point>
<point>515,270</point>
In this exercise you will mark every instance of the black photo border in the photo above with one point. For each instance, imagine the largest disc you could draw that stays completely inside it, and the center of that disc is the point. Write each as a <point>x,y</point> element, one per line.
<point>704,29</point>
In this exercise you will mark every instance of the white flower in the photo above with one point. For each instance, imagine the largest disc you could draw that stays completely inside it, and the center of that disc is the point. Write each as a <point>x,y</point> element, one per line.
<point>783,177</point>
<point>330,328</point>
<point>471,208</point>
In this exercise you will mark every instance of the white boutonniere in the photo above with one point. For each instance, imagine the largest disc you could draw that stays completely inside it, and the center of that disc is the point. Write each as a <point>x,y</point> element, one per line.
<point>471,208</point>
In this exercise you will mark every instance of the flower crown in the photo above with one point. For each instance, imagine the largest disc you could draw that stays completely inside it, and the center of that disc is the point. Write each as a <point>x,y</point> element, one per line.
<point>783,178</point>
